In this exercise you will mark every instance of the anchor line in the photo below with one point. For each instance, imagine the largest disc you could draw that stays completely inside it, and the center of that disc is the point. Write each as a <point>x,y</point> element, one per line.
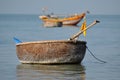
<point>95,56</point>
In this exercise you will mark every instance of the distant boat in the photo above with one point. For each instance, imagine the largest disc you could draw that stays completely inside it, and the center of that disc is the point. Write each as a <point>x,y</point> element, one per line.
<point>69,20</point>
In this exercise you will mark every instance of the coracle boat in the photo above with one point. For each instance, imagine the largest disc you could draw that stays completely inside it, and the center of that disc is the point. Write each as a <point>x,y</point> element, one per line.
<point>52,51</point>
<point>69,20</point>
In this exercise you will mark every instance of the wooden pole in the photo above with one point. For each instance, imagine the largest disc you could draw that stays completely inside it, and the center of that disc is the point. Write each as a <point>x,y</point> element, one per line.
<point>80,32</point>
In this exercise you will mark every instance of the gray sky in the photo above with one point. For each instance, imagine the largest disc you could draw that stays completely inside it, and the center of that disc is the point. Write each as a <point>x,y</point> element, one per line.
<point>59,6</point>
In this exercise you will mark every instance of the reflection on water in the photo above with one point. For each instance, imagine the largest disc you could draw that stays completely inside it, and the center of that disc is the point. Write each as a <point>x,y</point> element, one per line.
<point>70,26</point>
<point>50,72</point>
<point>60,26</point>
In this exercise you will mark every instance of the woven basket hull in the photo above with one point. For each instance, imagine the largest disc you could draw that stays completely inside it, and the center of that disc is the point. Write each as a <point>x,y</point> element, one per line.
<point>51,52</point>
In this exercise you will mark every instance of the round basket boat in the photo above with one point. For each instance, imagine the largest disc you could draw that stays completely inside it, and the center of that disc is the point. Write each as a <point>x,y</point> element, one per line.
<point>51,51</point>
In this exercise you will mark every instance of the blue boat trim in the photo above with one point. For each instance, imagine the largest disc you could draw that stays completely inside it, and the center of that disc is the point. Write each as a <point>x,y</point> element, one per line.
<point>17,40</point>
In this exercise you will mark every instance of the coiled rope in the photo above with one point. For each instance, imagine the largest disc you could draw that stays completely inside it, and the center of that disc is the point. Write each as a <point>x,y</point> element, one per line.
<point>95,56</point>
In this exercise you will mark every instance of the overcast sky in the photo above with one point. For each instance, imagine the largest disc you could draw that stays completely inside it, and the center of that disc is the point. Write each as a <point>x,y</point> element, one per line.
<point>60,6</point>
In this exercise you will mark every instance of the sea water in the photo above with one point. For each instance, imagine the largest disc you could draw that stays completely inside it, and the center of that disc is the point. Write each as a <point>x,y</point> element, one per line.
<point>103,40</point>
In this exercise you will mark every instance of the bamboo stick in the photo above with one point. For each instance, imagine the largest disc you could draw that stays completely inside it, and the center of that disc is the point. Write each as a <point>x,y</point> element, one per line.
<point>80,32</point>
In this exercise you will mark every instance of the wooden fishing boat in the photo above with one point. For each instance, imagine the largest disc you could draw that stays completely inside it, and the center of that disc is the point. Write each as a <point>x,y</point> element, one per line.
<point>69,20</point>
<point>52,51</point>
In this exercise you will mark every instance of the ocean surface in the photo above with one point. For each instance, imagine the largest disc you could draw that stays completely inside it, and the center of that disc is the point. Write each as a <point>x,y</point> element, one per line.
<point>103,40</point>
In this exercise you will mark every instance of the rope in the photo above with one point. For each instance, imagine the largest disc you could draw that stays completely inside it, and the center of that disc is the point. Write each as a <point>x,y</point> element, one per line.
<point>95,56</point>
